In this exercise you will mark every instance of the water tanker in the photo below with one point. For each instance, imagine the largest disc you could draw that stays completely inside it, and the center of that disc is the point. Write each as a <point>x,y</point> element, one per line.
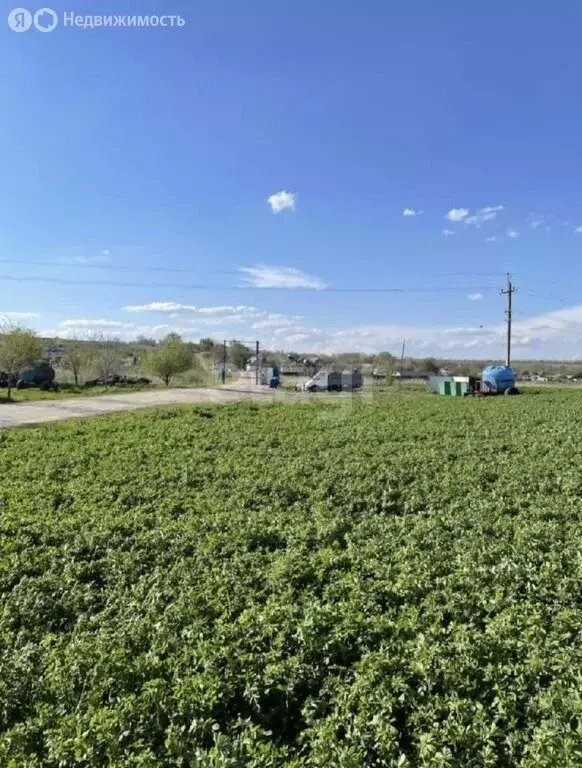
<point>498,378</point>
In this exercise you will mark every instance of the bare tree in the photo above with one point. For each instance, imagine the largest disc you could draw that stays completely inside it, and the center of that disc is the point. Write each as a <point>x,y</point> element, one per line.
<point>108,362</point>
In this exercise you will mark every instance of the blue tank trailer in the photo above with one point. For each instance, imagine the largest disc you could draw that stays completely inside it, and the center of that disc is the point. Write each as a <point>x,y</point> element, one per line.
<point>495,380</point>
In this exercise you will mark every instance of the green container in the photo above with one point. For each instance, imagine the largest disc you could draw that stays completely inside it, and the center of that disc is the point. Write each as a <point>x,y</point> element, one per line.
<point>454,388</point>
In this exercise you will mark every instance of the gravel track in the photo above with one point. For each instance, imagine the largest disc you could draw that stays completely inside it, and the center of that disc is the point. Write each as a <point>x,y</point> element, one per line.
<point>40,412</point>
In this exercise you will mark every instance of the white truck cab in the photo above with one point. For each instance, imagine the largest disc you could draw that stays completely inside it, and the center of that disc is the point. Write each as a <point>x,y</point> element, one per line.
<point>317,383</point>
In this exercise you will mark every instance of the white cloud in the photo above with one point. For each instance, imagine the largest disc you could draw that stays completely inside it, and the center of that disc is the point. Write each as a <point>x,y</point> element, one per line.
<point>536,221</point>
<point>276,321</point>
<point>263,276</point>
<point>411,212</point>
<point>492,239</point>
<point>14,317</point>
<point>282,201</point>
<point>512,233</point>
<point>475,296</point>
<point>448,232</point>
<point>88,258</point>
<point>578,229</point>
<point>489,213</point>
<point>99,324</point>
<point>173,309</point>
<point>298,338</point>
<point>457,214</point>
<point>551,334</point>
<point>86,327</point>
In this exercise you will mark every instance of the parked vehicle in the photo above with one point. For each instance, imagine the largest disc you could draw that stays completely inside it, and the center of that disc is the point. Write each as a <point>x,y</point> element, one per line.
<point>330,381</point>
<point>41,375</point>
<point>115,380</point>
<point>273,377</point>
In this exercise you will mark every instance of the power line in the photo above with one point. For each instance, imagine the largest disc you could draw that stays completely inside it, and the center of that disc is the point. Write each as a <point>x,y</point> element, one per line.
<point>180,270</point>
<point>105,266</point>
<point>226,288</point>
<point>537,294</point>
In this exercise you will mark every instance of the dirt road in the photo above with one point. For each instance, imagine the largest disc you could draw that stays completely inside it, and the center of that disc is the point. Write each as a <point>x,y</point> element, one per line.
<point>20,414</point>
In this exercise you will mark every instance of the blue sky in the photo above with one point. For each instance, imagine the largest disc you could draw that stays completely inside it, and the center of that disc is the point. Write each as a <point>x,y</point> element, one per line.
<point>123,150</point>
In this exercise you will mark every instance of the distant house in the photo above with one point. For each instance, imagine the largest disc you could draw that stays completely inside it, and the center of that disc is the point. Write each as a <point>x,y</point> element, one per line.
<point>54,354</point>
<point>290,368</point>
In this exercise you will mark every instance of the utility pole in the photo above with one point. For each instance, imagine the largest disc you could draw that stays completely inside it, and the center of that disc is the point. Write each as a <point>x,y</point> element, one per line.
<point>402,355</point>
<point>508,291</point>
<point>223,372</point>
<point>257,365</point>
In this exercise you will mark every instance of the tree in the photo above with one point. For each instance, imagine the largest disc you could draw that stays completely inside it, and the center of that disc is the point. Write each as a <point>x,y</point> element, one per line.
<point>384,359</point>
<point>271,358</point>
<point>384,366</point>
<point>77,358</point>
<point>146,341</point>
<point>108,362</point>
<point>430,365</point>
<point>18,347</point>
<point>206,345</point>
<point>238,355</point>
<point>170,357</point>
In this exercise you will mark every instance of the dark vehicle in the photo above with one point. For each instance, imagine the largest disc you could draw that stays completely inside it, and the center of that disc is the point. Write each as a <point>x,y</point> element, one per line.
<point>41,375</point>
<point>273,377</point>
<point>112,381</point>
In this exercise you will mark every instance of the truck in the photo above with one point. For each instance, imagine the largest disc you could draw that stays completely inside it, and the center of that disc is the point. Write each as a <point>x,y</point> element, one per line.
<point>331,381</point>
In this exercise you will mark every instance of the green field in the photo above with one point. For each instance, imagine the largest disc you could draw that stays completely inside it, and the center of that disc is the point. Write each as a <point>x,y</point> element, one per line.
<point>396,583</point>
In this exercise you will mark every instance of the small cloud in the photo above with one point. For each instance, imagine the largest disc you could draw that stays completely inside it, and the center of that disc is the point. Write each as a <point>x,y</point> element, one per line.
<point>492,239</point>
<point>282,201</point>
<point>489,213</point>
<point>99,258</point>
<point>12,317</point>
<point>277,321</point>
<point>475,296</point>
<point>98,324</point>
<point>536,221</point>
<point>448,232</point>
<point>513,233</point>
<point>411,212</point>
<point>207,315</point>
<point>457,214</point>
<point>578,229</point>
<point>263,276</point>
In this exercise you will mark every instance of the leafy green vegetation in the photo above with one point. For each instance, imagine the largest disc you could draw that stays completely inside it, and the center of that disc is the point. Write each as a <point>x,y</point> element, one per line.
<point>169,358</point>
<point>354,584</point>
